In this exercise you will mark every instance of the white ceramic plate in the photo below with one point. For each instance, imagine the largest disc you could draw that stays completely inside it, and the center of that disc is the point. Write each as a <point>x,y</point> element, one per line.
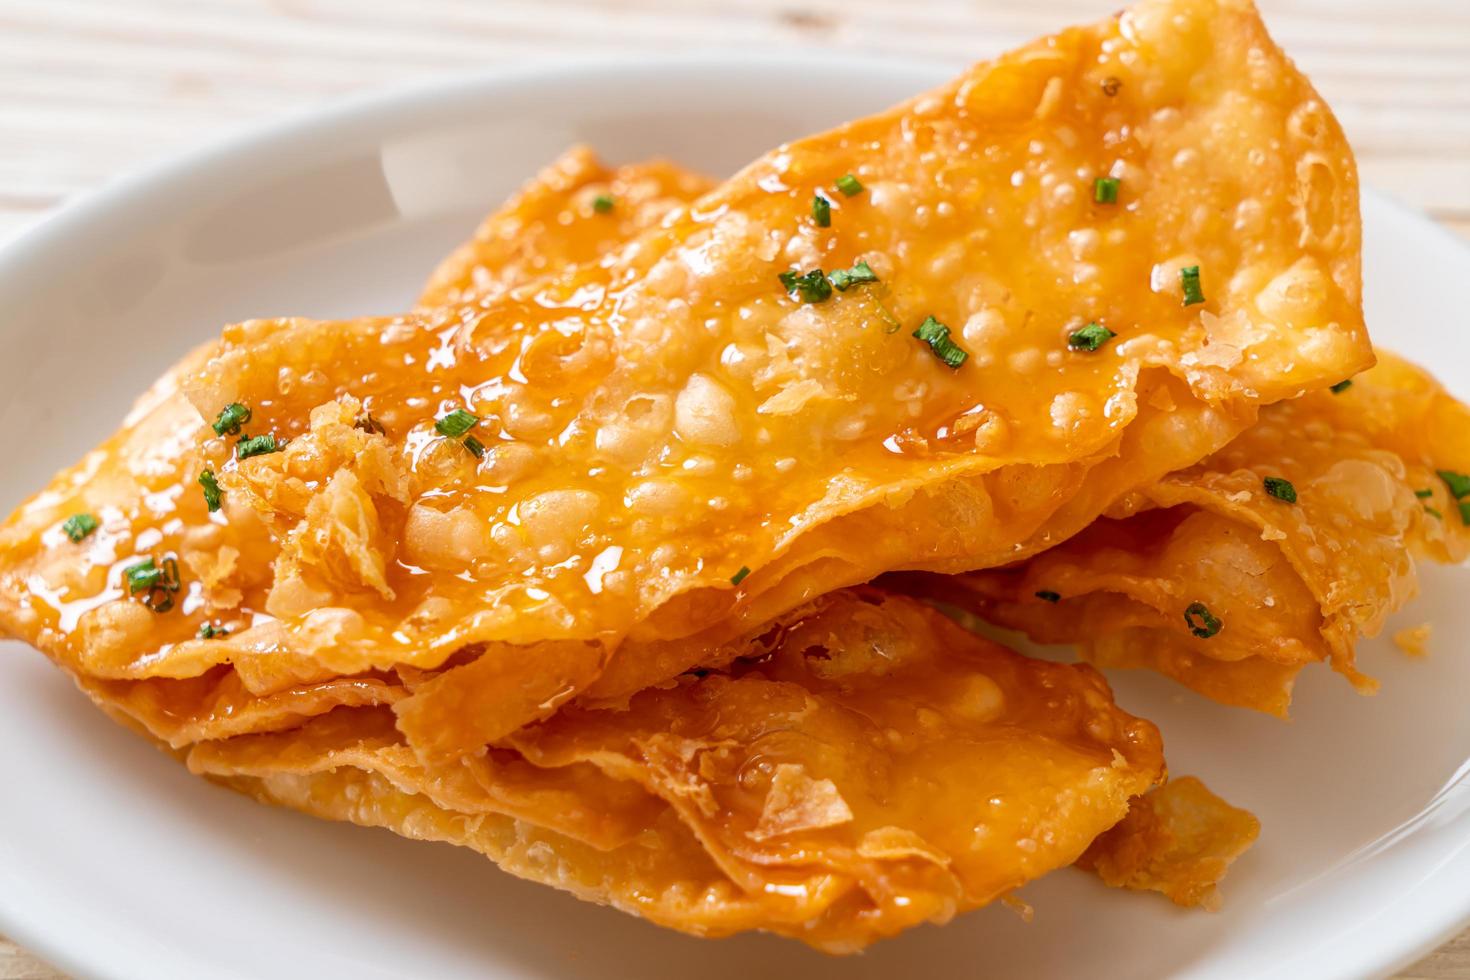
<point>116,862</point>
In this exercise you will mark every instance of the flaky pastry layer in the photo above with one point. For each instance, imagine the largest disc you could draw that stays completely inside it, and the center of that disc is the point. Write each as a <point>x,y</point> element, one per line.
<point>1287,583</point>
<point>877,767</point>
<point>677,448</point>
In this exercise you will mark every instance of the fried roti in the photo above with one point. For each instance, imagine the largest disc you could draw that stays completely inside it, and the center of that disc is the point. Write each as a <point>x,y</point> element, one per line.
<point>575,211</point>
<point>665,449</point>
<point>234,557</point>
<point>1179,840</point>
<point>875,767</point>
<point>1212,578</point>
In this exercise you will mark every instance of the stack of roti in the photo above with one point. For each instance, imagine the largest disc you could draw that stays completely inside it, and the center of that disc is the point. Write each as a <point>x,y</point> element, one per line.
<point>625,558</point>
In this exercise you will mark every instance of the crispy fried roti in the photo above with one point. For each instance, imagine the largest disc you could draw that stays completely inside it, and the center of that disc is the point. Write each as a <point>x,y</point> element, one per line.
<point>574,212</point>
<point>234,556</point>
<point>804,780</point>
<point>594,482</point>
<point>1178,839</point>
<point>1230,581</point>
<point>1182,850</point>
<point>828,790</point>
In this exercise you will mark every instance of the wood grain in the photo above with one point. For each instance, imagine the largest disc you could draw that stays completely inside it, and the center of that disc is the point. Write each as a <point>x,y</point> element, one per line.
<point>90,89</point>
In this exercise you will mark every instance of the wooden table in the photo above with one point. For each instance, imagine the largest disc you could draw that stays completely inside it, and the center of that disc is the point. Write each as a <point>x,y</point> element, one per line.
<point>93,88</point>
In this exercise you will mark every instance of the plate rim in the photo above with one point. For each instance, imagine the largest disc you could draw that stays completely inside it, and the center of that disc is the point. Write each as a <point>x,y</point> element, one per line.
<point>1422,923</point>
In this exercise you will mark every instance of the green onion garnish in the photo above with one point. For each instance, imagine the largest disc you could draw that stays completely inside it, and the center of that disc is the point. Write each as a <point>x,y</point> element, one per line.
<point>231,417</point>
<point>160,598</point>
<point>1341,386</point>
<point>456,423</point>
<point>257,446</point>
<point>212,493</point>
<point>936,335</point>
<point>1280,489</point>
<point>1090,337</point>
<point>1458,483</point>
<point>1046,595</point>
<point>809,287</point>
<point>849,185</point>
<point>475,446</point>
<point>78,526</point>
<point>1465,511</point>
<point>160,583</point>
<point>602,203</point>
<point>1202,623</point>
<point>821,211</point>
<point>144,575</point>
<point>1436,514</point>
<point>1424,494</point>
<point>1105,190</point>
<point>845,279</point>
<point>209,631</point>
<point>1189,281</point>
<point>739,576</point>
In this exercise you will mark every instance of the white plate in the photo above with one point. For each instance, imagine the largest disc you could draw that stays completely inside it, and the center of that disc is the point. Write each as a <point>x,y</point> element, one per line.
<point>115,862</point>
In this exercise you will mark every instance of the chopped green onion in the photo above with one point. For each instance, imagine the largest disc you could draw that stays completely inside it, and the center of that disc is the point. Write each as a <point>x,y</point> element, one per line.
<point>78,526</point>
<point>1105,190</point>
<point>1436,514</point>
<point>212,493</point>
<point>936,335</point>
<point>809,287</point>
<point>1424,494</point>
<point>1090,337</point>
<point>209,631</point>
<point>456,423</point>
<point>231,417</point>
<point>602,203</point>
<point>1201,622</point>
<point>1465,511</point>
<point>1047,595</point>
<point>821,211</point>
<point>144,575</point>
<point>1189,282</point>
<point>739,576</point>
<point>1341,386</point>
<point>160,598</point>
<point>159,583</point>
<point>849,185</point>
<point>257,446</point>
<point>845,279</point>
<point>1458,483</point>
<point>1280,489</point>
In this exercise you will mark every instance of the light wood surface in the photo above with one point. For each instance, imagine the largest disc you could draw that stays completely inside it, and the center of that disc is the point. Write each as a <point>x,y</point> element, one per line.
<point>90,89</point>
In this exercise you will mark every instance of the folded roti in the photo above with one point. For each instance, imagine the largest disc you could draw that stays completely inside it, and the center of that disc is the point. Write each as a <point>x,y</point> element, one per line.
<point>680,445</point>
<point>602,802</point>
<point>234,557</point>
<point>575,211</point>
<point>1208,577</point>
<point>829,790</point>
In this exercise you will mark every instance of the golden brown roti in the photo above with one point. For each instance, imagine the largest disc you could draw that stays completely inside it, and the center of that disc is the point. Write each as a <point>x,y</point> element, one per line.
<point>657,422</point>
<point>1282,584</point>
